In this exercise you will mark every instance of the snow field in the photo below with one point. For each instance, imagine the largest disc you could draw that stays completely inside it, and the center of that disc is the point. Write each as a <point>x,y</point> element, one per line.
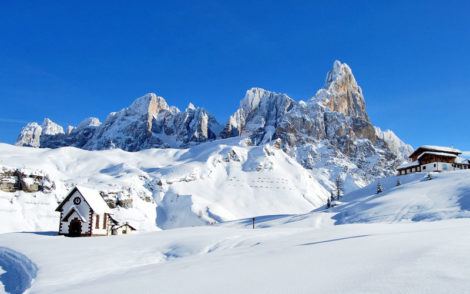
<point>424,257</point>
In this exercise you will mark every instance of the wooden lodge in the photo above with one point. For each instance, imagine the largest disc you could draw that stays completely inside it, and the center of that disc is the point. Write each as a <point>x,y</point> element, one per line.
<point>434,159</point>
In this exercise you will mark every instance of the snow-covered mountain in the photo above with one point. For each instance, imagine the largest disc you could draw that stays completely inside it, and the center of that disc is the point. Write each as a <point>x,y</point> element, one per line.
<point>149,122</point>
<point>330,133</point>
<point>274,155</point>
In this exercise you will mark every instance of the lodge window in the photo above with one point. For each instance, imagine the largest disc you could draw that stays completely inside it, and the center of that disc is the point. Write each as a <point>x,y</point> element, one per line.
<point>434,165</point>
<point>104,221</point>
<point>424,167</point>
<point>97,225</point>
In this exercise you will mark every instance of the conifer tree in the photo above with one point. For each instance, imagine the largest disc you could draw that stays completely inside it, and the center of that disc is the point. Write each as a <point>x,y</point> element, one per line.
<point>338,188</point>
<point>332,196</point>
<point>380,188</point>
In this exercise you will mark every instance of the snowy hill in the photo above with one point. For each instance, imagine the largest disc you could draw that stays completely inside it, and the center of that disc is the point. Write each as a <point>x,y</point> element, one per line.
<point>445,196</point>
<point>162,188</point>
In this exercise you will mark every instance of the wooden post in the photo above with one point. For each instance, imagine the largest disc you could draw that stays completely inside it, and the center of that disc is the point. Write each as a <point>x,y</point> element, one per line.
<point>253,219</point>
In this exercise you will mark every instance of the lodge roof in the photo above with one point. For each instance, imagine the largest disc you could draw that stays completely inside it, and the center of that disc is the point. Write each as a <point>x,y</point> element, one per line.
<point>92,198</point>
<point>434,148</point>
<point>443,154</point>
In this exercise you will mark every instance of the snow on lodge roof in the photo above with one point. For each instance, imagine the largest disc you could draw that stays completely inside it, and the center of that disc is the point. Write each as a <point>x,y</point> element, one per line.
<point>92,197</point>
<point>432,148</point>
<point>445,154</point>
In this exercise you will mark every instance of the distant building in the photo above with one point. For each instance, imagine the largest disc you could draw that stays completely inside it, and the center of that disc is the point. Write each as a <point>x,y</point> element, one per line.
<point>122,229</point>
<point>434,159</point>
<point>84,212</point>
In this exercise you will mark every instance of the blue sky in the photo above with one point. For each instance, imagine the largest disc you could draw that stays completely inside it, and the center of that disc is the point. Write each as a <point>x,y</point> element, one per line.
<point>70,60</point>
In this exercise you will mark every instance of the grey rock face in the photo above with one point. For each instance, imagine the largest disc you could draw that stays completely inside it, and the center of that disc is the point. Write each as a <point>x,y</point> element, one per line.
<point>260,113</point>
<point>12,180</point>
<point>342,93</point>
<point>194,125</point>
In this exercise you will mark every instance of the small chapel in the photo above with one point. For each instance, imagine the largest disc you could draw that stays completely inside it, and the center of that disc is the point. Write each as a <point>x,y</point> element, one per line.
<point>83,212</point>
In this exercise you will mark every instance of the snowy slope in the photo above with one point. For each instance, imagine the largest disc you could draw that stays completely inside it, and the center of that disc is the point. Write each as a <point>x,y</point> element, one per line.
<point>425,257</point>
<point>445,196</point>
<point>410,238</point>
<point>207,183</point>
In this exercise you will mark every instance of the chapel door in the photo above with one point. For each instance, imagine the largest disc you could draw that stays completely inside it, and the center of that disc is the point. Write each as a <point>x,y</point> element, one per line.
<point>75,228</point>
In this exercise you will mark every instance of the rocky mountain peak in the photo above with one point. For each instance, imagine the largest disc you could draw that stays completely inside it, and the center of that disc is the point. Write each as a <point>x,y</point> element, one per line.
<point>260,111</point>
<point>253,98</point>
<point>89,122</point>
<point>150,104</point>
<point>29,135</point>
<point>51,128</point>
<point>190,106</point>
<point>342,93</point>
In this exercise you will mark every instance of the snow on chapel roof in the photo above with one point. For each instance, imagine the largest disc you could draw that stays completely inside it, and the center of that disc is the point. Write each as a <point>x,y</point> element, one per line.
<point>92,197</point>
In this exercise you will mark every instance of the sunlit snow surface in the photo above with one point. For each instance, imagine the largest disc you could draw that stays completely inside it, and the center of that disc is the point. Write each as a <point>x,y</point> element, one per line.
<point>411,238</point>
<point>424,257</point>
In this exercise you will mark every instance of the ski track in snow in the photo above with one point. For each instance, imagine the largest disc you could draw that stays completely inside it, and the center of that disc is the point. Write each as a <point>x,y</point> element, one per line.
<point>19,271</point>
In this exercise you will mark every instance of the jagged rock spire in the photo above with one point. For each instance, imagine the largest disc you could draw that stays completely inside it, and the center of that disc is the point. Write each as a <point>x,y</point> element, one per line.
<point>341,92</point>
